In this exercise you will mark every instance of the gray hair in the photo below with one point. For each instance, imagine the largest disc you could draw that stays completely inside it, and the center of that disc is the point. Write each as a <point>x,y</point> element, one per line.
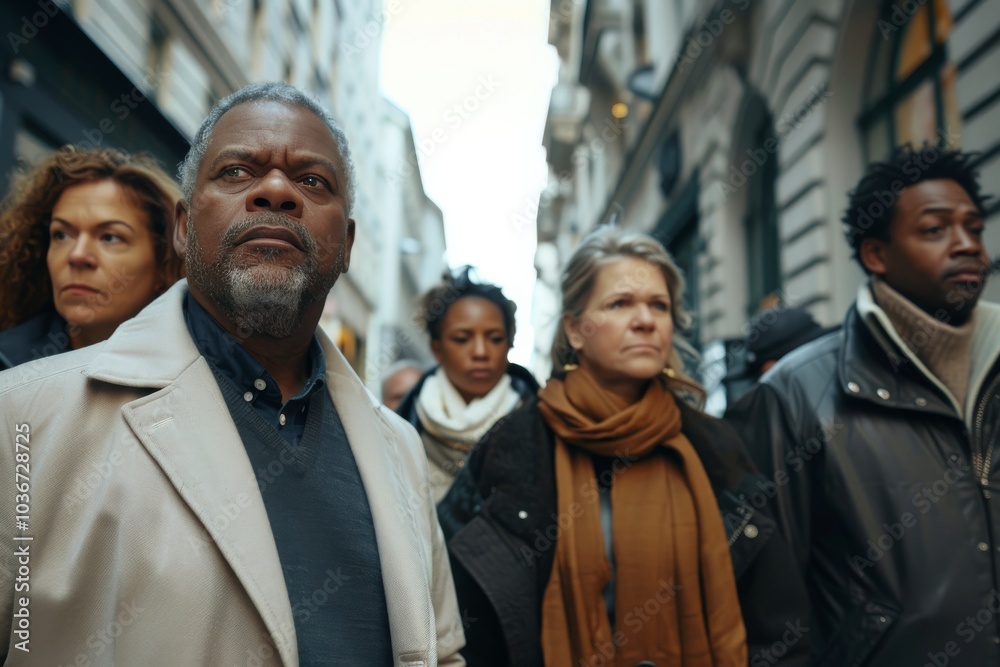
<point>599,248</point>
<point>266,91</point>
<point>401,365</point>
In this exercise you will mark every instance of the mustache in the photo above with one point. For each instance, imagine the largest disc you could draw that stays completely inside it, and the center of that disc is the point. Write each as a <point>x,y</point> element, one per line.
<point>272,219</point>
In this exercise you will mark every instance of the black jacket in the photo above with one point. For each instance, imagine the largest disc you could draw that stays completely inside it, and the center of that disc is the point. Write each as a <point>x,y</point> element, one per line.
<point>522,381</point>
<point>500,521</point>
<point>877,492</point>
<point>40,336</point>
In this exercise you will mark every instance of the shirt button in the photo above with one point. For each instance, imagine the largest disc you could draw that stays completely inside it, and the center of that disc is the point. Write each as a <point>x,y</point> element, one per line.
<point>751,531</point>
<point>921,402</point>
<point>853,386</point>
<point>982,546</point>
<point>260,384</point>
<point>281,419</point>
<point>248,396</point>
<point>882,393</point>
<point>522,515</point>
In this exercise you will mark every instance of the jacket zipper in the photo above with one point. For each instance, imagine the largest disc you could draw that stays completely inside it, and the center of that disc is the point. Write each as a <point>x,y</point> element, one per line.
<point>983,463</point>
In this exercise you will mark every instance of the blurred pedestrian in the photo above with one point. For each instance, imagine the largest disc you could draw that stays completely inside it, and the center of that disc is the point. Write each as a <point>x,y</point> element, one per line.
<point>471,327</point>
<point>775,332</point>
<point>397,381</point>
<point>880,439</point>
<point>608,522</point>
<point>85,244</point>
<point>768,336</point>
<point>215,478</point>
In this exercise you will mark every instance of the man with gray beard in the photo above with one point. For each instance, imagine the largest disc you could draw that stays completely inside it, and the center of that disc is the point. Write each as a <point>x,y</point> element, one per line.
<point>215,480</point>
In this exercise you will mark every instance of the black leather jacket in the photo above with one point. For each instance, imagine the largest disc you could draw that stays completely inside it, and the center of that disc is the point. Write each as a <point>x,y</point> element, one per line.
<point>883,499</point>
<point>500,521</point>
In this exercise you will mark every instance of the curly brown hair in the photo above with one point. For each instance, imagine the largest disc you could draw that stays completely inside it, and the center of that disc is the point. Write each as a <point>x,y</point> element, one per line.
<point>25,214</point>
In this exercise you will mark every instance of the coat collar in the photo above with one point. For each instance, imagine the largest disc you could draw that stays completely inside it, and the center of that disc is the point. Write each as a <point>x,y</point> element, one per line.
<point>876,365</point>
<point>209,468</point>
<point>518,476</point>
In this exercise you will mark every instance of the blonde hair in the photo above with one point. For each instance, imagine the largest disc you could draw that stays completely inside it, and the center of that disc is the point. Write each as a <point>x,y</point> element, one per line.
<point>599,248</point>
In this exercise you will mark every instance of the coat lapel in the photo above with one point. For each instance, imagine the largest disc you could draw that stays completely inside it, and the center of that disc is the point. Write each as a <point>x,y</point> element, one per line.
<point>402,556</point>
<point>187,429</point>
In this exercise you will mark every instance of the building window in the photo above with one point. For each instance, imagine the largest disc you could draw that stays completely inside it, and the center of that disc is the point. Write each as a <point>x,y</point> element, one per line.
<point>677,230</point>
<point>760,226</point>
<point>909,96</point>
<point>157,57</point>
<point>258,23</point>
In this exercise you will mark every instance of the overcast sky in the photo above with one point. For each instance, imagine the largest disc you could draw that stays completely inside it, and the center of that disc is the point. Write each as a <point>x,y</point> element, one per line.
<point>475,77</point>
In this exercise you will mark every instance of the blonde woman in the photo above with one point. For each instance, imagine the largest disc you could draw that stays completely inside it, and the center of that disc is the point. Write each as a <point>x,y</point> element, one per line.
<point>608,522</point>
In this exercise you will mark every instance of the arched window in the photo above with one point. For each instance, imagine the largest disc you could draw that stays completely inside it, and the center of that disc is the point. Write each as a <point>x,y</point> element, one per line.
<point>909,94</point>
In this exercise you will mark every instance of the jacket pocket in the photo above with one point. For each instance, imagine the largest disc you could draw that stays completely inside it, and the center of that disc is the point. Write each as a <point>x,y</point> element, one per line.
<point>860,632</point>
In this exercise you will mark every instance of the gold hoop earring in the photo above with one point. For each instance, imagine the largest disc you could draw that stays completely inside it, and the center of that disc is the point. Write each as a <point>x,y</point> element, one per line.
<point>570,367</point>
<point>669,372</point>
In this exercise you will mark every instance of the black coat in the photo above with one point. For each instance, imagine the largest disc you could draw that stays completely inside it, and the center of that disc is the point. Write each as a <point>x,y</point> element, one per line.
<point>40,336</point>
<point>500,522</point>
<point>872,470</point>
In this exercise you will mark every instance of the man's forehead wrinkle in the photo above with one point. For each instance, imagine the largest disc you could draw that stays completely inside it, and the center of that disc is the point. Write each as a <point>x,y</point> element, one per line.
<point>261,155</point>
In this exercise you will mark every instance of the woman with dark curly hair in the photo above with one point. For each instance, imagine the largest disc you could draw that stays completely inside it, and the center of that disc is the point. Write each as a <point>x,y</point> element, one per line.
<point>85,244</point>
<point>471,326</point>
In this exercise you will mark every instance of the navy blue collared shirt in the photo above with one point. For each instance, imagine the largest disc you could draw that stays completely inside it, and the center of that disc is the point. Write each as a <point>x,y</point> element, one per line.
<point>228,359</point>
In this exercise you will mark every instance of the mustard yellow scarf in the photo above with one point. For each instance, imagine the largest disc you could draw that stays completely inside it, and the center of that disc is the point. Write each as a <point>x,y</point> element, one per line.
<point>675,592</point>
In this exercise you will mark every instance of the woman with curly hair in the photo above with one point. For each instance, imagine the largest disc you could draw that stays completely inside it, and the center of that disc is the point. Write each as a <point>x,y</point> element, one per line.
<point>471,326</point>
<point>85,244</point>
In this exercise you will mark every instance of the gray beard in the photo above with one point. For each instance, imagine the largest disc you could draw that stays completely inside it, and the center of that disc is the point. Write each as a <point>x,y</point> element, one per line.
<point>261,299</point>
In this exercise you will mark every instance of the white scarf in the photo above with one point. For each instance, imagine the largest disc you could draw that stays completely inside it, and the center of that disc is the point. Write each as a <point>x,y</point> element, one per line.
<point>446,416</point>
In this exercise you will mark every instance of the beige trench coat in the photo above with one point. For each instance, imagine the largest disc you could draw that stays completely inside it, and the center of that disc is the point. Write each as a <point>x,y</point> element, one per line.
<point>150,543</point>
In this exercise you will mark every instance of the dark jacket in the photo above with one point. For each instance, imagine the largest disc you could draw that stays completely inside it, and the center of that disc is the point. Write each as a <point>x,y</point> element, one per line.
<point>40,336</point>
<point>500,521</point>
<point>875,479</point>
<point>522,381</point>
